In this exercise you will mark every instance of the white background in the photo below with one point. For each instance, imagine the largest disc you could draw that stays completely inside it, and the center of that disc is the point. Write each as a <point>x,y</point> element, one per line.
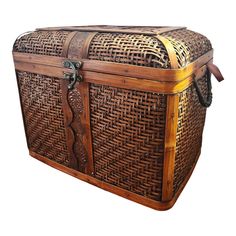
<point>36,199</point>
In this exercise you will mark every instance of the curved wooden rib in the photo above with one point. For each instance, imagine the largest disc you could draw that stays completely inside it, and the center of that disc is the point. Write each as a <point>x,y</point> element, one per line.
<point>170,50</point>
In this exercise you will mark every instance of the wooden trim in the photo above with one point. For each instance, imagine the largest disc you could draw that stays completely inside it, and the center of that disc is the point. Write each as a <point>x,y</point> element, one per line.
<point>67,43</point>
<point>21,107</point>
<point>99,28</point>
<point>79,122</point>
<point>168,29</point>
<point>157,205</point>
<point>170,146</point>
<point>115,80</point>
<point>83,89</point>
<point>47,70</point>
<point>141,85</point>
<point>38,59</point>
<point>68,120</point>
<point>108,187</point>
<point>170,129</point>
<point>157,74</point>
<point>177,194</point>
<point>67,112</point>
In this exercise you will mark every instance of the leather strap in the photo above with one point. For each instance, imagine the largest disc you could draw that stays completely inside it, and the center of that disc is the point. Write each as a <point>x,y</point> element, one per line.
<point>215,71</point>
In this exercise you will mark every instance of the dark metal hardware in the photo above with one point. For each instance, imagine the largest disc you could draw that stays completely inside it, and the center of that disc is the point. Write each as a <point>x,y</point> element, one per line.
<point>74,76</point>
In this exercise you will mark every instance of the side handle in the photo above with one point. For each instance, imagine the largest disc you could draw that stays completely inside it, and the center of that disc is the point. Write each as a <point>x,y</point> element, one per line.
<point>211,69</point>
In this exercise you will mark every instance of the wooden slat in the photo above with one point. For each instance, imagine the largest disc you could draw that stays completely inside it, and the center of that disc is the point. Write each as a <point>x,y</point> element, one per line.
<point>138,84</point>
<point>68,119</point>
<point>168,29</point>
<point>157,205</point>
<point>22,111</point>
<point>108,187</point>
<point>39,59</point>
<point>117,68</point>
<point>82,147</point>
<point>170,129</point>
<point>170,50</point>
<point>114,80</point>
<point>114,29</point>
<point>41,69</point>
<point>85,126</point>
<point>170,146</point>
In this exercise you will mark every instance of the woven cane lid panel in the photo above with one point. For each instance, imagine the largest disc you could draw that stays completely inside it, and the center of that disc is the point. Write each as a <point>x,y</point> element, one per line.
<point>188,45</point>
<point>44,42</point>
<point>118,44</point>
<point>132,49</point>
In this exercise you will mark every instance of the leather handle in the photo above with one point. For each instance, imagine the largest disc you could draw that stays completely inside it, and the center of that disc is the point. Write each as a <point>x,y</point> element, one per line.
<point>211,69</point>
<point>215,71</point>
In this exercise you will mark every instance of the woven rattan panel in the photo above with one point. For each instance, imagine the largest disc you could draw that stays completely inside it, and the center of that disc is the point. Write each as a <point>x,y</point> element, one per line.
<point>189,132</point>
<point>42,42</point>
<point>43,117</point>
<point>128,138</point>
<point>129,49</point>
<point>188,45</point>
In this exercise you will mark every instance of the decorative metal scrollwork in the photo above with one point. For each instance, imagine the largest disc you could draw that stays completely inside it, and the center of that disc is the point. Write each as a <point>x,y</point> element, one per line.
<point>74,76</point>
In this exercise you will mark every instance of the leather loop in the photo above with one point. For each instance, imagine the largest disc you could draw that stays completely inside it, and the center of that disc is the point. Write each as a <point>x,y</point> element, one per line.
<point>215,71</point>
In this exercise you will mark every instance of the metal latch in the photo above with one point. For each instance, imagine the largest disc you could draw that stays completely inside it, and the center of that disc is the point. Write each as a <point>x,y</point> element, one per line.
<point>73,77</point>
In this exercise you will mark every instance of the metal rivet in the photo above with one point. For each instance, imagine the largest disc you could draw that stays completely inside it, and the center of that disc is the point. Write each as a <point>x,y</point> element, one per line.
<point>66,64</point>
<point>78,64</point>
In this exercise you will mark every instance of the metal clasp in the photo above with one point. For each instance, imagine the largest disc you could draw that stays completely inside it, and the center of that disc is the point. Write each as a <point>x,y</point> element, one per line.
<point>74,76</point>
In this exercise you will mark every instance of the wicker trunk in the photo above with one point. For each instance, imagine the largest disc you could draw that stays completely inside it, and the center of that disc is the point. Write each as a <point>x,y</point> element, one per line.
<point>122,108</point>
